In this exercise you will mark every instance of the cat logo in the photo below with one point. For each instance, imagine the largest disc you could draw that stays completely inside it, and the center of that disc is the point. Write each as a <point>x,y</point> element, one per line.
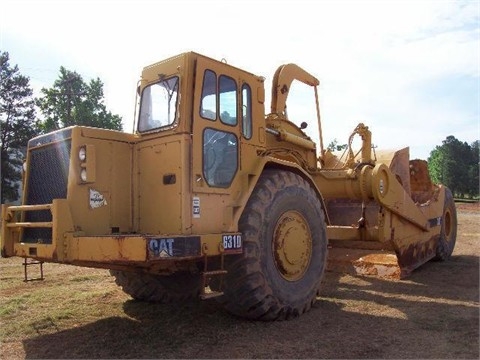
<point>161,247</point>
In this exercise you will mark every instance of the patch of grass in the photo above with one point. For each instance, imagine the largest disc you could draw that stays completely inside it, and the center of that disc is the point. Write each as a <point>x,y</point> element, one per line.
<point>11,306</point>
<point>69,296</point>
<point>84,278</point>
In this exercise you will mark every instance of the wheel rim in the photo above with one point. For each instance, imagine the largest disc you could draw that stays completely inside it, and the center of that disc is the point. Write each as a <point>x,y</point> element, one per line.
<point>292,245</point>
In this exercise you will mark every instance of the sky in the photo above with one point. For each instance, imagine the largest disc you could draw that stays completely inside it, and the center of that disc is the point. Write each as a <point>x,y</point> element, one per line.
<point>409,70</point>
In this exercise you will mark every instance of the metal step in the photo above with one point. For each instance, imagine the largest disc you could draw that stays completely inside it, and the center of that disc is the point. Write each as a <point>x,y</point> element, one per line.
<point>211,295</point>
<point>208,293</point>
<point>214,273</point>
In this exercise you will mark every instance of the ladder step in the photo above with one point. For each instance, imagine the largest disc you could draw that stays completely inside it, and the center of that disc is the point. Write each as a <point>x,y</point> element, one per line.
<point>211,295</point>
<point>208,276</point>
<point>27,263</point>
<point>214,272</point>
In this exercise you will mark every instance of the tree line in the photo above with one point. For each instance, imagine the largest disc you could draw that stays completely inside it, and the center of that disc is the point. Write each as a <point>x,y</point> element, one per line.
<point>72,101</point>
<point>456,164</point>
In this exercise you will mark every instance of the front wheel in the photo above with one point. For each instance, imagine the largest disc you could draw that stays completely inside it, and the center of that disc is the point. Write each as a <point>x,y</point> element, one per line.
<point>278,276</point>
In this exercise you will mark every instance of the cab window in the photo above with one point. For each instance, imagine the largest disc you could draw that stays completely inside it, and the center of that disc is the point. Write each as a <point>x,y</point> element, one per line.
<point>219,98</point>
<point>208,105</point>
<point>246,111</point>
<point>220,154</point>
<point>228,100</point>
<point>158,105</point>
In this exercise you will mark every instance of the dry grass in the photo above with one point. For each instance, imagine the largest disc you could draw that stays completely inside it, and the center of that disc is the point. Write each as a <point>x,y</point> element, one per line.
<point>81,313</point>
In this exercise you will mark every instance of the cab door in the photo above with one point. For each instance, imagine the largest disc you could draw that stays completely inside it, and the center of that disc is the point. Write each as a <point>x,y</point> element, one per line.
<point>217,134</point>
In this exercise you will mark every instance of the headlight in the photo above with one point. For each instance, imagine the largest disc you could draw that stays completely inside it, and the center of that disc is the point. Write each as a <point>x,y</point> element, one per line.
<point>83,175</point>
<point>86,165</point>
<point>82,154</point>
<point>24,166</point>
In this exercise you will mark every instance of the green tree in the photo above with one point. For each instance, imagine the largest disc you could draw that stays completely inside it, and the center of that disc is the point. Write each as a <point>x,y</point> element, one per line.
<point>71,101</point>
<point>334,146</point>
<point>474,169</point>
<point>18,125</point>
<point>455,164</point>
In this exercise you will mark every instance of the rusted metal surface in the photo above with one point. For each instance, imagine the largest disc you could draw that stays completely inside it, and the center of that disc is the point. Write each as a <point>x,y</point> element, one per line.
<point>415,255</point>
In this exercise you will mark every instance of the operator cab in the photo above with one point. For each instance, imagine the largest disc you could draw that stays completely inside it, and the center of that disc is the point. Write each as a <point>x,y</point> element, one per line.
<point>200,123</point>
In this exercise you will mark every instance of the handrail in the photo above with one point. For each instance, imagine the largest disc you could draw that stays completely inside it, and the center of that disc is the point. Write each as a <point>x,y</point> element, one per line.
<point>30,224</point>
<point>30,207</point>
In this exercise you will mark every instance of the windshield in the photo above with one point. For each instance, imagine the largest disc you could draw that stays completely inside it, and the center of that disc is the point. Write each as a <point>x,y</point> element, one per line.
<point>158,105</point>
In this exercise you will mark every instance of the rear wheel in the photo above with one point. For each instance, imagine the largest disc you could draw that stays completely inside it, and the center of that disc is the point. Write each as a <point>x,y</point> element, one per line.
<point>156,288</point>
<point>448,234</point>
<point>278,276</point>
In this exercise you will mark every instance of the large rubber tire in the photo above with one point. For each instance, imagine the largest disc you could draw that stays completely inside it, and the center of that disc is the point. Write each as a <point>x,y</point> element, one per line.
<point>273,279</point>
<point>448,233</point>
<point>155,288</point>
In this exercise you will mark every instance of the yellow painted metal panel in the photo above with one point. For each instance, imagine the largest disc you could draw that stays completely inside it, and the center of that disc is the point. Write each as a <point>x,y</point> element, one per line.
<point>107,249</point>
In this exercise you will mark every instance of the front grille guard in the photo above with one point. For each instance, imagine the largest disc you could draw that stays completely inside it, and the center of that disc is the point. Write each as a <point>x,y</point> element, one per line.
<point>14,225</point>
<point>28,224</point>
<point>47,180</point>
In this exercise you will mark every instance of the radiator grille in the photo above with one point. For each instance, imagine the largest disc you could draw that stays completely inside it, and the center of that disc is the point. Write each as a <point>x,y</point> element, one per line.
<point>47,180</point>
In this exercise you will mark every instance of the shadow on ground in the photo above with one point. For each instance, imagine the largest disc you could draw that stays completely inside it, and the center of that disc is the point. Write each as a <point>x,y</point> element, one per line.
<point>433,314</point>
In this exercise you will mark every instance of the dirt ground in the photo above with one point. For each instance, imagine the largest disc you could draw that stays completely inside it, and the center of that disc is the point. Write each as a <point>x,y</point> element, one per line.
<point>433,314</point>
